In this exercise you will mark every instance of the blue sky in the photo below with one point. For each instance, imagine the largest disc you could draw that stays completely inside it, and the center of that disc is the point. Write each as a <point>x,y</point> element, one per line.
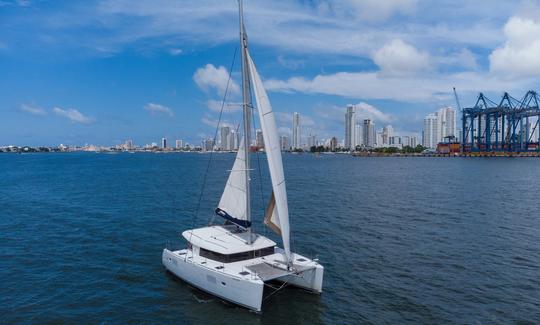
<point>101,72</point>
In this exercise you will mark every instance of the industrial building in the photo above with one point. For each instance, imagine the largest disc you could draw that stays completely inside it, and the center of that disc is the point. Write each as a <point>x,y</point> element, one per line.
<point>512,125</point>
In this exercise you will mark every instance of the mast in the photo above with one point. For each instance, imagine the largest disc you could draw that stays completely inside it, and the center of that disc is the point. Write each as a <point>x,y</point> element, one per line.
<point>246,105</point>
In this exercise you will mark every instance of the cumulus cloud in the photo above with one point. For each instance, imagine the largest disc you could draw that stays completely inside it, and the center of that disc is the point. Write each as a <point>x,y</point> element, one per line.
<point>463,58</point>
<point>73,115</point>
<point>158,109</point>
<point>399,58</point>
<point>520,54</point>
<point>210,77</point>
<point>366,111</point>
<point>373,85</point>
<point>31,109</point>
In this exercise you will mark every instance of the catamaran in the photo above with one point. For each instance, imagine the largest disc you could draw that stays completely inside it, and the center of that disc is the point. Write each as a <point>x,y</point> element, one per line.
<point>229,260</point>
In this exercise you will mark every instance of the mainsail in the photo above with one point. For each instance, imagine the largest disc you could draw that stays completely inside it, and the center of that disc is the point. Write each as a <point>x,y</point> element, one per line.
<point>279,216</point>
<point>232,205</point>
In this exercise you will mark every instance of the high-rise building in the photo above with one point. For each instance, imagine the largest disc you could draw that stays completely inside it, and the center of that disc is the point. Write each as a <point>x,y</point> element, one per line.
<point>163,143</point>
<point>311,141</point>
<point>296,131</point>
<point>379,139</point>
<point>388,131</point>
<point>128,145</point>
<point>406,140</point>
<point>358,134</point>
<point>234,141</point>
<point>208,145</point>
<point>224,138</point>
<point>284,143</point>
<point>333,144</point>
<point>430,133</point>
<point>446,118</point>
<point>413,142</point>
<point>259,140</point>
<point>394,141</point>
<point>179,144</point>
<point>369,135</point>
<point>350,128</point>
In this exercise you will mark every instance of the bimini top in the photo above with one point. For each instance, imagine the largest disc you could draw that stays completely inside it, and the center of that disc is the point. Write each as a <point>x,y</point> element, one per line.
<point>225,239</point>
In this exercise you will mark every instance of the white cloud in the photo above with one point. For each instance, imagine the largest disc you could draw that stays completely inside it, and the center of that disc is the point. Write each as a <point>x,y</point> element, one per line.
<point>213,122</point>
<point>399,58</point>
<point>209,77</point>
<point>158,109</point>
<point>363,111</point>
<point>464,58</point>
<point>293,64</point>
<point>370,10</point>
<point>366,111</point>
<point>175,51</point>
<point>215,106</point>
<point>520,55</point>
<point>73,115</point>
<point>373,85</point>
<point>32,109</point>
<point>21,3</point>
<point>347,28</point>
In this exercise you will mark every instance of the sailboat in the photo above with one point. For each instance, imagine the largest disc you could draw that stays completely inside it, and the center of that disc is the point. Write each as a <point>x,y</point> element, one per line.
<point>229,260</point>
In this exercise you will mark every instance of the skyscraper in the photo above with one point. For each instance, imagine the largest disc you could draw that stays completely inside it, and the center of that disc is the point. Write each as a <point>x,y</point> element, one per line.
<point>284,143</point>
<point>430,133</point>
<point>259,141</point>
<point>129,144</point>
<point>208,145</point>
<point>406,140</point>
<point>358,133</point>
<point>179,144</point>
<point>234,142</point>
<point>224,138</point>
<point>413,142</point>
<point>446,119</point>
<point>388,131</point>
<point>296,131</point>
<point>333,144</point>
<point>369,133</point>
<point>350,128</point>
<point>311,141</point>
<point>163,143</point>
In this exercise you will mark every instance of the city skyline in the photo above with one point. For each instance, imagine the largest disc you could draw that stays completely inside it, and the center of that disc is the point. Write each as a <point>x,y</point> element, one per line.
<point>159,70</point>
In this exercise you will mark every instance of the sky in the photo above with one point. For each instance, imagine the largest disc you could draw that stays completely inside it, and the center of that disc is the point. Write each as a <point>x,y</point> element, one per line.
<point>102,72</point>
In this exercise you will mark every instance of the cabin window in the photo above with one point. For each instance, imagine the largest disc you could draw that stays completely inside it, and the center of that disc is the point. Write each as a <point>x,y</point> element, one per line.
<point>230,258</point>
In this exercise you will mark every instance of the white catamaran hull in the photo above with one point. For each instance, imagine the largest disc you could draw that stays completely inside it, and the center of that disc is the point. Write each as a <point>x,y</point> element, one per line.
<point>227,282</point>
<point>244,292</point>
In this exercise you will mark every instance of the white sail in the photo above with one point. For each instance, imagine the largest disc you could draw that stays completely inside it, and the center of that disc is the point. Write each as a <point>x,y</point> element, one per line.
<point>233,199</point>
<point>280,210</point>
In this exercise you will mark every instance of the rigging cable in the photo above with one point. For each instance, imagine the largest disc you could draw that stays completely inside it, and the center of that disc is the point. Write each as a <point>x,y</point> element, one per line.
<point>214,140</point>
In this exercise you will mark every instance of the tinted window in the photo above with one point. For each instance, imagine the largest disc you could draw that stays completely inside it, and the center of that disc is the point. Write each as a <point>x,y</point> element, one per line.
<point>236,257</point>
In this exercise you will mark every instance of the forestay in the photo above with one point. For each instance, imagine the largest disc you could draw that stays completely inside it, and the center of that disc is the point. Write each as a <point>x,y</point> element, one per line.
<point>279,213</point>
<point>232,205</point>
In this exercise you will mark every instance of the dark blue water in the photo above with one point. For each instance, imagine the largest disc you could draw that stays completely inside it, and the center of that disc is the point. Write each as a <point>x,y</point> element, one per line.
<point>403,240</point>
